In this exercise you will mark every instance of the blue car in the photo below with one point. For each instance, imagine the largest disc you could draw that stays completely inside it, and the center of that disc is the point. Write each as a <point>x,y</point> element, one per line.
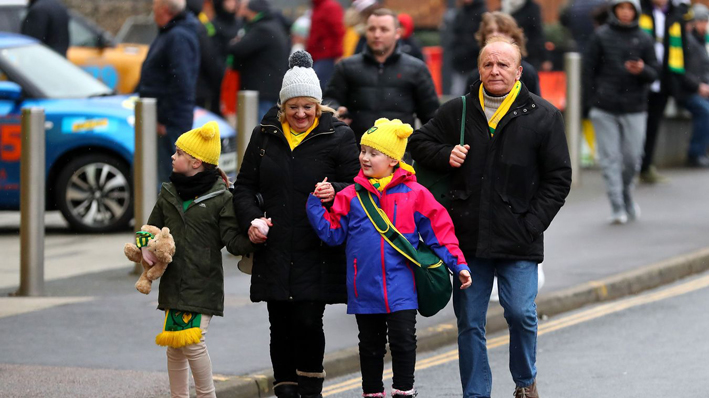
<point>90,136</point>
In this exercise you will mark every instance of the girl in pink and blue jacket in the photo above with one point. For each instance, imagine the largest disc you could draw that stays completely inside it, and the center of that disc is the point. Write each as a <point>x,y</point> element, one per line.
<point>380,281</point>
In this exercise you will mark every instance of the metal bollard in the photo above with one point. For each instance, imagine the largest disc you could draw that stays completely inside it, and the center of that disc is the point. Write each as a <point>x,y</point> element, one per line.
<point>573,114</point>
<point>247,119</point>
<point>32,203</point>
<point>145,174</point>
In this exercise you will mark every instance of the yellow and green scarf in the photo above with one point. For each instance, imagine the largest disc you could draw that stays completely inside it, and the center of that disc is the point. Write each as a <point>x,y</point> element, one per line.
<point>503,109</point>
<point>294,138</point>
<point>180,329</point>
<point>142,238</point>
<point>675,60</point>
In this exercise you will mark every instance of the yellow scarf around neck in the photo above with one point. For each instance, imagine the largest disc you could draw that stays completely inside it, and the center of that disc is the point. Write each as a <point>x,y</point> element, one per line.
<point>294,138</point>
<point>504,107</point>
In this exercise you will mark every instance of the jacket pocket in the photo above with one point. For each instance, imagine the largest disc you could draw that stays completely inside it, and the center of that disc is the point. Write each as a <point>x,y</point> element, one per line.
<point>510,225</point>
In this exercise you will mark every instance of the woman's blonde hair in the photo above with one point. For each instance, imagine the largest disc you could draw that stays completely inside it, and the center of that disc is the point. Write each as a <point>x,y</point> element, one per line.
<point>319,108</point>
<point>505,25</point>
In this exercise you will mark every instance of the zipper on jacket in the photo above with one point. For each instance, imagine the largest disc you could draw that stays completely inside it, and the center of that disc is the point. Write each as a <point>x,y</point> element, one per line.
<point>384,276</point>
<point>394,218</point>
<point>381,68</point>
<point>355,277</point>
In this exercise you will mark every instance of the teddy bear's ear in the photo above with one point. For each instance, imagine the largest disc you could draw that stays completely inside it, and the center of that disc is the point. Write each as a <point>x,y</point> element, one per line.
<point>145,227</point>
<point>165,231</point>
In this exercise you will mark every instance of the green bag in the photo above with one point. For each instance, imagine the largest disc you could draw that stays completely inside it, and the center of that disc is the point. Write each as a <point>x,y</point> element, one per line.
<point>437,182</point>
<point>433,283</point>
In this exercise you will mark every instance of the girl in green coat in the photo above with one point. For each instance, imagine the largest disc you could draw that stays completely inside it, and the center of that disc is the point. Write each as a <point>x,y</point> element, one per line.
<point>197,207</point>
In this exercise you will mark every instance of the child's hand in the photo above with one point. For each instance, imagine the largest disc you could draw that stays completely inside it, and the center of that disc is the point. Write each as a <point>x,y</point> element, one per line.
<point>465,279</point>
<point>255,236</point>
<point>324,191</point>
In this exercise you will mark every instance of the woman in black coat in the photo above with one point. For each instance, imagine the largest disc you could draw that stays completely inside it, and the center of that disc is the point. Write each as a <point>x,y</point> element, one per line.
<point>299,144</point>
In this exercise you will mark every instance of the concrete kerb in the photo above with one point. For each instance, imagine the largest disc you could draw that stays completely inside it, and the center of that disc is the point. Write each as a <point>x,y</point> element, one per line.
<point>346,361</point>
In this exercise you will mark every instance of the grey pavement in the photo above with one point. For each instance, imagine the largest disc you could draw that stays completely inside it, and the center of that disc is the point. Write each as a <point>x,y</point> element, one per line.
<point>92,318</point>
<point>652,345</point>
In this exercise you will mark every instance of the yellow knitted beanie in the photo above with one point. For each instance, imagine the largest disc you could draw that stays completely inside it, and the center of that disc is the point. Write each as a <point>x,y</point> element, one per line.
<point>388,137</point>
<point>202,143</point>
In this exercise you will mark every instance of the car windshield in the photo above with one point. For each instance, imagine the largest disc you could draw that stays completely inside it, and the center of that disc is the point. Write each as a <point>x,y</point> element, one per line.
<point>51,73</point>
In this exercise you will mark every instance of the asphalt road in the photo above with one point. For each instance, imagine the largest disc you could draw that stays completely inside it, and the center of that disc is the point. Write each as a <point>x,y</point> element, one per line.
<point>651,345</point>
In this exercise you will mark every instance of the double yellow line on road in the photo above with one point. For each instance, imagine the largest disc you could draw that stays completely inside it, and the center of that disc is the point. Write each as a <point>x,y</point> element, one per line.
<point>546,327</point>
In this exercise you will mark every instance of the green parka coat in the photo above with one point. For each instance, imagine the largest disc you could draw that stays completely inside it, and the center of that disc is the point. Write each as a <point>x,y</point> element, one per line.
<point>194,281</point>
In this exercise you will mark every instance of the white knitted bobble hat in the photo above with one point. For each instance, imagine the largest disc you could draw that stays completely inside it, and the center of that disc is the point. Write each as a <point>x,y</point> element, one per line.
<point>300,80</point>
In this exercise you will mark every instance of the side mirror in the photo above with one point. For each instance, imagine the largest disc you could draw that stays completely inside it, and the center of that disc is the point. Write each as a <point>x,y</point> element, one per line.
<point>10,91</point>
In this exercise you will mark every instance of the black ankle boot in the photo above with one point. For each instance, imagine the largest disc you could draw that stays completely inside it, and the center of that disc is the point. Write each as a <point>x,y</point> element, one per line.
<point>310,384</point>
<point>286,390</point>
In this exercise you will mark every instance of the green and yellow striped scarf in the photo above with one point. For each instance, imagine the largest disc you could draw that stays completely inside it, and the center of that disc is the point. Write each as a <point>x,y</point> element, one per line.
<point>675,60</point>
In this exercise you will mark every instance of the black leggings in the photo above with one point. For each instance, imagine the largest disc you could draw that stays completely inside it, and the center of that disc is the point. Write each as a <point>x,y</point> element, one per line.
<point>656,104</point>
<point>297,341</point>
<point>400,326</point>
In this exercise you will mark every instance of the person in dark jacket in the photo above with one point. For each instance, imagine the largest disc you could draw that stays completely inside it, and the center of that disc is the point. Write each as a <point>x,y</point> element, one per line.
<point>226,26</point>
<point>298,144</point>
<point>381,81</point>
<point>327,30</point>
<point>500,24</point>
<point>577,17</point>
<point>169,74</point>
<point>695,97</point>
<point>528,15</point>
<point>211,68</point>
<point>508,182</point>
<point>261,54</point>
<point>197,208</point>
<point>48,22</point>
<point>464,47</point>
<point>618,69</point>
<point>664,21</point>
<point>408,42</point>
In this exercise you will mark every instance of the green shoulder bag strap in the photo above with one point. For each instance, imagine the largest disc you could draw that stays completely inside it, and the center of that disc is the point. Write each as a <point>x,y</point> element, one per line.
<point>462,122</point>
<point>382,224</point>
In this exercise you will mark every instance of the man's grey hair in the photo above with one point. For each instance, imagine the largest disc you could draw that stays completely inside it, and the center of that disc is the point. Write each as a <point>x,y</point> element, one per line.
<point>174,6</point>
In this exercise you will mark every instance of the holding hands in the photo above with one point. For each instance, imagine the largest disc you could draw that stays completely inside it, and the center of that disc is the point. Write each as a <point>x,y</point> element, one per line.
<point>324,191</point>
<point>258,230</point>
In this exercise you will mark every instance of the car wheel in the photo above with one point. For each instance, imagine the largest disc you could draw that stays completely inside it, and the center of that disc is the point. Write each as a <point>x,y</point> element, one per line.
<point>94,194</point>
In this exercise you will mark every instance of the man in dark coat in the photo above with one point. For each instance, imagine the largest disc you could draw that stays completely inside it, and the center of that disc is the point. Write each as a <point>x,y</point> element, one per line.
<point>226,26</point>
<point>464,46</point>
<point>211,67</point>
<point>381,81</point>
<point>48,22</point>
<point>261,55</point>
<point>508,182</point>
<point>664,21</point>
<point>169,74</point>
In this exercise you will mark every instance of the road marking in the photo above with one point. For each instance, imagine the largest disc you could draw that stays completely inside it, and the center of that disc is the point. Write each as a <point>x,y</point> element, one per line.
<point>547,327</point>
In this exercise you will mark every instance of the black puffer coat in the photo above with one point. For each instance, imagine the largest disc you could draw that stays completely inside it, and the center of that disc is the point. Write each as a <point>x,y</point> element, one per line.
<point>607,85</point>
<point>294,264</point>
<point>396,89</point>
<point>465,47</point>
<point>510,187</point>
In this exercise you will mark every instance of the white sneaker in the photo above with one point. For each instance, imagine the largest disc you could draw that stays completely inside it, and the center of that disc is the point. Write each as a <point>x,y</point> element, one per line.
<point>618,217</point>
<point>633,212</point>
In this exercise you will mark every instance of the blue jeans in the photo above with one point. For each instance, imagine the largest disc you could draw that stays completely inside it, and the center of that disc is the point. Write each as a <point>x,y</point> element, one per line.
<point>324,68</point>
<point>698,106</point>
<point>517,285</point>
<point>263,107</point>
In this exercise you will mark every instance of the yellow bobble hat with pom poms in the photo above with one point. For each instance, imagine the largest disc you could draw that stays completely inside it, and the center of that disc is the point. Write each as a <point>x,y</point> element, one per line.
<point>388,137</point>
<point>202,143</point>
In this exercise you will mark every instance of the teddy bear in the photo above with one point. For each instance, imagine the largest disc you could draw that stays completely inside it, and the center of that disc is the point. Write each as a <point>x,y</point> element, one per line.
<point>154,249</point>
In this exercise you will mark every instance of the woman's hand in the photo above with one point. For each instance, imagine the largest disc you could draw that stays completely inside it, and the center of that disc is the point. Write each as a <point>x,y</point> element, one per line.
<point>465,279</point>
<point>255,236</point>
<point>324,191</point>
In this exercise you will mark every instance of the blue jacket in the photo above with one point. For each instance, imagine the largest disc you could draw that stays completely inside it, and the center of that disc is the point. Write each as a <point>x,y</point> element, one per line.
<point>170,71</point>
<point>379,279</point>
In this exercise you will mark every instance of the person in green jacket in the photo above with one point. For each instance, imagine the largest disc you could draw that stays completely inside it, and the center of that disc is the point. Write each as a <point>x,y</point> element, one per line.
<point>197,207</point>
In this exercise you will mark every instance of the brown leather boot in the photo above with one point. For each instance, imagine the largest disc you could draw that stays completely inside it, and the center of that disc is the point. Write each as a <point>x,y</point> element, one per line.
<point>527,392</point>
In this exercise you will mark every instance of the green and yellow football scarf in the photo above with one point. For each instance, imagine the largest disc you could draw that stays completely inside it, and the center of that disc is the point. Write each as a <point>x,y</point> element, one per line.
<point>503,109</point>
<point>675,60</point>
<point>180,329</point>
<point>142,238</point>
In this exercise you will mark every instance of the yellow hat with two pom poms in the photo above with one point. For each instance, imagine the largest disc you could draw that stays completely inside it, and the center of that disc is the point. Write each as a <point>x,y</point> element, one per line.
<point>202,143</point>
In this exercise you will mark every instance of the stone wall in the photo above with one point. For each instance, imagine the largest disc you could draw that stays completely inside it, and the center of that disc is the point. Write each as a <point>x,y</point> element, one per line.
<point>110,14</point>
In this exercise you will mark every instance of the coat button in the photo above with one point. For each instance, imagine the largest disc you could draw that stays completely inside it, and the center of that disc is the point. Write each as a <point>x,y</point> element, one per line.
<point>515,113</point>
<point>263,129</point>
<point>524,110</point>
<point>534,105</point>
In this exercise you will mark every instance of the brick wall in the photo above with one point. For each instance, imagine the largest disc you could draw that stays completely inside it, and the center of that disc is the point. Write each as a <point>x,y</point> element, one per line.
<point>110,14</point>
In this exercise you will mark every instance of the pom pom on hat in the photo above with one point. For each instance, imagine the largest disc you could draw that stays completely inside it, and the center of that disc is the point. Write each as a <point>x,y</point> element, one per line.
<point>202,143</point>
<point>300,80</point>
<point>388,137</point>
